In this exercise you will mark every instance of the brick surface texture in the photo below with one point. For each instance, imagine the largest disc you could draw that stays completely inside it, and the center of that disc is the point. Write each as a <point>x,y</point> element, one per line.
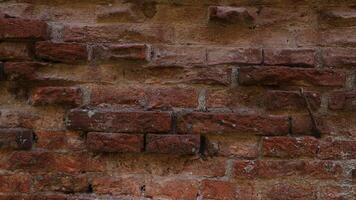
<point>177,99</point>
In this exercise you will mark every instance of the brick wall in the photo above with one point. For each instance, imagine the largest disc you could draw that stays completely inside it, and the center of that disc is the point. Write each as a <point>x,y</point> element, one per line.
<point>177,99</point>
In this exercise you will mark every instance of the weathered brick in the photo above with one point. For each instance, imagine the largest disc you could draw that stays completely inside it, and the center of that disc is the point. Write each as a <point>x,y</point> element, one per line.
<point>151,97</point>
<point>291,100</point>
<point>231,55</point>
<point>229,14</point>
<point>61,52</point>
<point>173,188</point>
<point>114,52</point>
<point>173,144</point>
<point>119,33</point>
<point>213,189</point>
<point>303,125</point>
<point>290,57</point>
<point>60,182</point>
<point>245,169</point>
<point>117,185</point>
<point>178,55</point>
<point>59,140</point>
<point>337,37</point>
<point>14,51</point>
<point>337,150</point>
<point>290,147</point>
<point>339,57</point>
<point>335,192</point>
<point>119,121</point>
<point>343,100</point>
<point>275,76</point>
<point>11,118</point>
<point>39,161</point>
<point>269,169</point>
<point>216,122</point>
<point>289,191</point>
<point>16,138</point>
<point>338,17</point>
<point>17,28</point>
<point>115,142</point>
<point>71,96</point>
<point>231,146</point>
<point>22,71</point>
<point>14,183</point>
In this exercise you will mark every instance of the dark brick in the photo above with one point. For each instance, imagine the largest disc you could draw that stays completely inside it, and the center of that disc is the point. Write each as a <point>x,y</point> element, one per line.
<point>173,144</point>
<point>119,121</point>
<point>216,122</point>
<point>16,138</point>
<point>276,76</point>
<point>61,52</point>
<point>115,142</point>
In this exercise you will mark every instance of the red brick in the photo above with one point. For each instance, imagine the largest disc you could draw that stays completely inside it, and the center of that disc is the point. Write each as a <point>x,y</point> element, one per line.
<point>119,121</point>
<point>290,57</point>
<point>323,170</point>
<point>172,188</point>
<point>71,96</point>
<point>14,51</point>
<point>289,191</point>
<point>213,189</point>
<point>216,122</point>
<point>59,140</point>
<point>232,146</point>
<point>115,142</point>
<point>229,14</point>
<point>113,52</point>
<point>344,36</point>
<point>172,97</point>
<point>36,161</point>
<point>16,138</point>
<point>302,125</point>
<point>291,100</point>
<point>22,71</point>
<point>343,100</point>
<point>209,167</point>
<point>151,97</point>
<point>337,149</point>
<point>178,55</point>
<point>245,169</point>
<point>17,28</point>
<point>339,57</point>
<point>117,185</point>
<point>274,76</point>
<point>61,52</point>
<point>290,147</point>
<point>279,168</point>
<point>208,76</point>
<point>173,144</point>
<point>230,55</point>
<point>133,33</point>
<point>14,183</point>
<point>60,182</point>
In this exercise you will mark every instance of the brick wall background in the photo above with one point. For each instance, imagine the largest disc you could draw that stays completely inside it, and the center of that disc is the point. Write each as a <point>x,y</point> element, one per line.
<point>177,99</point>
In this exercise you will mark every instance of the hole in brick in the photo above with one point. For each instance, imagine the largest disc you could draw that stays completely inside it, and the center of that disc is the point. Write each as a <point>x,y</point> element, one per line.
<point>34,137</point>
<point>202,144</point>
<point>90,189</point>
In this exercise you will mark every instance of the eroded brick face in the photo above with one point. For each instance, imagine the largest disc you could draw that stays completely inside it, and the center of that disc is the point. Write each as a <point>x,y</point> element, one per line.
<point>177,100</point>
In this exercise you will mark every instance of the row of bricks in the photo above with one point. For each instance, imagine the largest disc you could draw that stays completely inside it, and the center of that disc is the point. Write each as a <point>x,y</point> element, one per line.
<point>246,76</point>
<point>170,97</point>
<point>179,55</point>
<point>284,147</point>
<point>154,188</point>
<point>241,169</point>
